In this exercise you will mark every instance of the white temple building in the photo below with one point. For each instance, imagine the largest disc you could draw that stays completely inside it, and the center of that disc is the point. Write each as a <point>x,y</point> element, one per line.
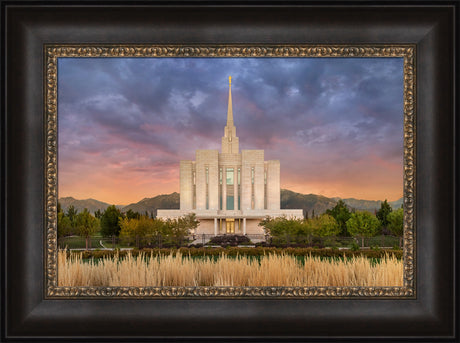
<point>230,191</point>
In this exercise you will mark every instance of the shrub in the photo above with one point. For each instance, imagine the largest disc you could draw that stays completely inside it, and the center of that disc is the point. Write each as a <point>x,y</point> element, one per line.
<point>198,245</point>
<point>243,251</point>
<point>355,246</point>
<point>229,240</point>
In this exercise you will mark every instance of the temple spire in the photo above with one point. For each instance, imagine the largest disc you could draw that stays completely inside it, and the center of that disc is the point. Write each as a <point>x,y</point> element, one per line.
<point>230,109</point>
<point>230,142</point>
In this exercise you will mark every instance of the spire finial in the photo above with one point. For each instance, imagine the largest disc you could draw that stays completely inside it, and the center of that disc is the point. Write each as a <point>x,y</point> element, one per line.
<point>230,110</point>
<point>230,143</point>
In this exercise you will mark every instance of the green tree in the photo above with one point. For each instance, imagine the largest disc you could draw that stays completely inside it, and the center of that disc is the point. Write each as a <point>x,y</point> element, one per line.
<point>130,214</point>
<point>283,230</point>
<point>147,230</point>
<point>72,214</point>
<point>110,225</point>
<point>396,223</point>
<point>128,230</point>
<point>362,224</point>
<point>161,231</point>
<point>98,214</point>
<point>181,227</point>
<point>383,212</point>
<point>326,226</point>
<point>190,222</point>
<point>341,214</point>
<point>87,225</point>
<point>64,226</point>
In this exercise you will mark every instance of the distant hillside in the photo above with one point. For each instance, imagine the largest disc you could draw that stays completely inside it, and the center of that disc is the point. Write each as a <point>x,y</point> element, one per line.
<point>306,202</point>
<point>319,203</point>
<point>149,205</point>
<point>289,200</point>
<point>91,204</point>
<point>396,204</point>
<point>369,205</point>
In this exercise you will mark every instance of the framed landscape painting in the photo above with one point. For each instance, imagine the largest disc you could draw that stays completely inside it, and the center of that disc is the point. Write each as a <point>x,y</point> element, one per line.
<point>201,164</point>
<point>168,179</point>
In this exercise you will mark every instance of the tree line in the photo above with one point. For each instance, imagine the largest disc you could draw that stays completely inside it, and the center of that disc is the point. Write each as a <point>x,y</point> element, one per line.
<point>133,228</point>
<point>130,227</point>
<point>335,222</point>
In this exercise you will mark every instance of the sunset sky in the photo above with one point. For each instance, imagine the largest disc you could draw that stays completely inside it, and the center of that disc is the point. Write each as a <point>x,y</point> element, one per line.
<point>335,124</point>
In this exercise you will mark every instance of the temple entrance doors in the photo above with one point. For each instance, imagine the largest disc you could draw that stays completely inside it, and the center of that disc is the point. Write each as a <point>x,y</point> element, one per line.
<point>230,225</point>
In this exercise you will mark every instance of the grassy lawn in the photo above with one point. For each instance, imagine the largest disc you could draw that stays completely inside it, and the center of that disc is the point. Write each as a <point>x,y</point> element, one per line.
<point>383,241</point>
<point>77,242</point>
<point>377,241</point>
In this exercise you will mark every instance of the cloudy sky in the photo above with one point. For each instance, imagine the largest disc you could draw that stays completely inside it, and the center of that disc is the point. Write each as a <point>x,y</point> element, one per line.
<point>335,124</point>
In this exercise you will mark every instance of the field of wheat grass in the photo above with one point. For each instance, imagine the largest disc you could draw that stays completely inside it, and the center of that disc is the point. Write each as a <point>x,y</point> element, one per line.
<point>270,270</point>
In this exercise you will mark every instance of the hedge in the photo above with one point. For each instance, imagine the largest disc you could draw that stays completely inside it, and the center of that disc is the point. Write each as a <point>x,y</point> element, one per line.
<point>240,251</point>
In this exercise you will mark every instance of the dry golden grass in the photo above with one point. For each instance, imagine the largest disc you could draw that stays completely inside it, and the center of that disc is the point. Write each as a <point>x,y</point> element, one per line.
<point>273,270</point>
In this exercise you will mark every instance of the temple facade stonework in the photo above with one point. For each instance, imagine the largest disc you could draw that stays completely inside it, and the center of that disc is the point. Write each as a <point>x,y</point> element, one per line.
<point>230,191</point>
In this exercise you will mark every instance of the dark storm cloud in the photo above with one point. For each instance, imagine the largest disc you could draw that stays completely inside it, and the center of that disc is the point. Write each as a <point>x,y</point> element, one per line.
<point>161,110</point>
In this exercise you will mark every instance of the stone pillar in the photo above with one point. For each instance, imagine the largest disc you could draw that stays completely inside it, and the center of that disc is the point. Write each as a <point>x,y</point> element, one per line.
<point>224,188</point>
<point>215,226</point>
<point>273,185</point>
<point>213,188</point>
<point>186,185</point>
<point>259,186</point>
<point>244,226</point>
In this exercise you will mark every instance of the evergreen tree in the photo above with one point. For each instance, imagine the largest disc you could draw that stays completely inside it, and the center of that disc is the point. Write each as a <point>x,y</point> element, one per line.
<point>382,214</point>
<point>98,214</point>
<point>341,214</point>
<point>72,214</point>
<point>110,225</point>
<point>132,215</point>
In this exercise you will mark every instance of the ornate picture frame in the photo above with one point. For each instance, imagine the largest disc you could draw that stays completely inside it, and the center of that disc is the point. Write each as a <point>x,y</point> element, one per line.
<point>33,307</point>
<point>53,53</point>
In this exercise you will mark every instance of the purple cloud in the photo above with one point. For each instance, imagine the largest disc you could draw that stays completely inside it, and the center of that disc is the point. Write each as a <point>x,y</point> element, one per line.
<point>330,121</point>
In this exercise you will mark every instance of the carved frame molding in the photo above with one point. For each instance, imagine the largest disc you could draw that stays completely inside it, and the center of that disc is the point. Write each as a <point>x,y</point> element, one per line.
<point>53,52</point>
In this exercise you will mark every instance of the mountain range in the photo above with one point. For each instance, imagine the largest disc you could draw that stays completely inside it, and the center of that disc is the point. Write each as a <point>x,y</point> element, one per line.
<point>91,204</point>
<point>289,200</point>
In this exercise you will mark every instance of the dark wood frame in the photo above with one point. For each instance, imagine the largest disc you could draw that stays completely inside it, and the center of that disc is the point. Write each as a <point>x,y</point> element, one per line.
<point>53,53</point>
<point>26,315</point>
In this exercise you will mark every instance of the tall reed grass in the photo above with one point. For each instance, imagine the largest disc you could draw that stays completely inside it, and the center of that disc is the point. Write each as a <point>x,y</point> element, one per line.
<point>270,270</point>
